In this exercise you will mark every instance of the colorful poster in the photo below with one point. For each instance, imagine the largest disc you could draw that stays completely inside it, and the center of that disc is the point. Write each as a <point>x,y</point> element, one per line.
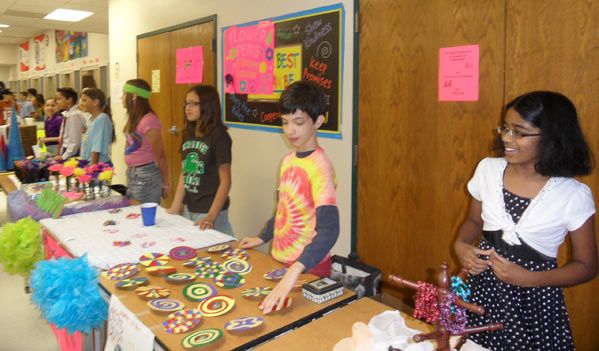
<point>288,69</point>
<point>70,45</point>
<point>249,54</point>
<point>190,65</point>
<point>40,45</point>
<point>125,331</point>
<point>24,54</point>
<point>458,73</point>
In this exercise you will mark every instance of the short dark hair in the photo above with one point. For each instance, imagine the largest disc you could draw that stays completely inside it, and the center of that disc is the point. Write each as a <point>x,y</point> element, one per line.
<point>68,93</point>
<point>563,150</point>
<point>303,96</point>
<point>32,91</point>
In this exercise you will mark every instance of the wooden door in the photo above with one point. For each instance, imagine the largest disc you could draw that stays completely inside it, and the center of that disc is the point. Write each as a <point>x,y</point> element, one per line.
<point>158,52</point>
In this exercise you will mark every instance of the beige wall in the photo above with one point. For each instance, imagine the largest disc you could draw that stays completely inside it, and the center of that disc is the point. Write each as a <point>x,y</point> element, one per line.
<point>256,155</point>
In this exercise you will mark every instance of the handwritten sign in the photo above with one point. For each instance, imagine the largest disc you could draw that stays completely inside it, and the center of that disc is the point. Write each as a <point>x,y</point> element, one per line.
<point>458,73</point>
<point>155,80</point>
<point>190,65</point>
<point>50,201</point>
<point>288,69</point>
<point>125,331</point>
<point>249,59</point>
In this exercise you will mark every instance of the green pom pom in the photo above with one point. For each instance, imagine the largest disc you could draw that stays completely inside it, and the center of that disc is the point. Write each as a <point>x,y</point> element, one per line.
<point>20,246</point>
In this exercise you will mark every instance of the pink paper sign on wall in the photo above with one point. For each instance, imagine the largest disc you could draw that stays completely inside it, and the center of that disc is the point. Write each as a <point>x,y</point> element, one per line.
<point>190,65</point>
<point>249,59</point>
<point>459,73</point>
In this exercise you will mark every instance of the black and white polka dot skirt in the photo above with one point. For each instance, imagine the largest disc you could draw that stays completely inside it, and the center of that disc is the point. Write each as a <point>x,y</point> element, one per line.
<point>533,318</point>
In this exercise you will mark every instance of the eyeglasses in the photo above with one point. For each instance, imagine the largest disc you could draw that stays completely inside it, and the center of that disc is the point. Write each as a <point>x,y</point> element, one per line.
<point>503,130</point>
<point>191,104</point>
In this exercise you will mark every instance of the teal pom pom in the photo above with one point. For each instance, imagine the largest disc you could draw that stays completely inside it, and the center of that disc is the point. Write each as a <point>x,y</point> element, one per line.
<point>20,246</point>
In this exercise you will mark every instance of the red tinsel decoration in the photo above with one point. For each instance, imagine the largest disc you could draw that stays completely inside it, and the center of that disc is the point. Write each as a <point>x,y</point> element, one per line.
<point>426,303</point>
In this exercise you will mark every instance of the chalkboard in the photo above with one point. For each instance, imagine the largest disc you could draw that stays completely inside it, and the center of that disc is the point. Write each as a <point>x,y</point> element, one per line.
<point>308,46</point>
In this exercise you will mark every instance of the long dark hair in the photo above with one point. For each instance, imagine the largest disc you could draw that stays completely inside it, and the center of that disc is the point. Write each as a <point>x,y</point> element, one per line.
<point>563,150</point>
<point>97,94</point>
<point>210,113</point>
<point>137,108</point>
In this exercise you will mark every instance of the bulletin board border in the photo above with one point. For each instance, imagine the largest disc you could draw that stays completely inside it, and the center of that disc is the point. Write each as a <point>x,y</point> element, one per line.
<point>291,16</point>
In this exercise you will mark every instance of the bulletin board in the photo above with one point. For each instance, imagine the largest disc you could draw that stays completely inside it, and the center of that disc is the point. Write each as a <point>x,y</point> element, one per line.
<point>308,45</point>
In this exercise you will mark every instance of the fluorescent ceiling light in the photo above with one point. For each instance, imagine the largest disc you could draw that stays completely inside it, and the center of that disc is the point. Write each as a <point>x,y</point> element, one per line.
<point>68,15</point>
<point>4,25</point>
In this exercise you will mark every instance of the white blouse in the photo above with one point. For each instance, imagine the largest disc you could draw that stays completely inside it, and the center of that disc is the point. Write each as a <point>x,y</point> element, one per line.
<point>562,206</point>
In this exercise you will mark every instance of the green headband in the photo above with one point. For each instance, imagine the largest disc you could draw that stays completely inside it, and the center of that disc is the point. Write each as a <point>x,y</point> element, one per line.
<point>128,88</point>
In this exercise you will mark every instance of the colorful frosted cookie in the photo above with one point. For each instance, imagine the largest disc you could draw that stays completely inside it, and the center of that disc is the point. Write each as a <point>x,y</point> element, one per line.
<point>275,274</point>
<point>243,324</point>
<point>161,270</point>
<point>238,266</point>
<point>216,305</point>
<point>182,253</point>
<point>152,259</point>
<point>152,292</point>
<point>165,305</point>
<point>198,291</point>
<point>236,253</point>
<point>180,278</point>
<point>132,283</point>
<point>229,280</point>
<point>209,270</point>
<point>218,248</point>
<point>257,292</point>
<point>202,338</point>
<point>197,261</point>
<point>121,271</point>
<point>182,321</point>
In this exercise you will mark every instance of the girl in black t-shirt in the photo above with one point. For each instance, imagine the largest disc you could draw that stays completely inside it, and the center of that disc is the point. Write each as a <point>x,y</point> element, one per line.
<point>203,188</point>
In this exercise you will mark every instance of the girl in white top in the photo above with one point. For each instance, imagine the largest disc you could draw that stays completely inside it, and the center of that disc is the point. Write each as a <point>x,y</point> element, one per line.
<point>524,204</point>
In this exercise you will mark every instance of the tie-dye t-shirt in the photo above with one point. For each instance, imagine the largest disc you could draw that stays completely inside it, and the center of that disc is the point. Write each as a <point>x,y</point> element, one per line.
<point>304,184</point>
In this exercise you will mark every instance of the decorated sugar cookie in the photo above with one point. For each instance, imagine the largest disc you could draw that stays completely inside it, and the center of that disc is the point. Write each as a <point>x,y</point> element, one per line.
<point>180,278</point>
<point>257,292</point>
<point>216,305</point>
<point>161,270</point>
<point>198,291</point>
<point>275,274</point>
<point>182,321</point>
<point>152,259</point>
<point>229,280</point>
<point>236,253</point>
<point>165,305</point>
<point>181,253</point>
<point>238,266</point>
<point>121,271</point>
<point>197,261</point>
<point>132,283</point>
<point>202,338</point>
<point>218,248</point>
<point>209,270</point>
<point>243,324</point>
<point>152,292</point>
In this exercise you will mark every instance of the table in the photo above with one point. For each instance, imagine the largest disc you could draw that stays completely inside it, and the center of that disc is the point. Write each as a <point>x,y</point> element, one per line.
<point>301,312</point>
<point>6,183</point>
<point>330,329</point>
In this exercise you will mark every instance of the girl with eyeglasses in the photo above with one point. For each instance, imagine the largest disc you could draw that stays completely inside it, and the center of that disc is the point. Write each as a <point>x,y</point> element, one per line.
<point>203,188</point>
<point>147,168</point>
<point>524,204</point>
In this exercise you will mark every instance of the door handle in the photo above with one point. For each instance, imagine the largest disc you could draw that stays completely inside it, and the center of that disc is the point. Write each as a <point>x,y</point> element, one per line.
<point>173,130</point>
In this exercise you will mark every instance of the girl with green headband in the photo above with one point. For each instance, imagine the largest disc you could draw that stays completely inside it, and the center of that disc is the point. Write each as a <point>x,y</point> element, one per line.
<point>147,168</point>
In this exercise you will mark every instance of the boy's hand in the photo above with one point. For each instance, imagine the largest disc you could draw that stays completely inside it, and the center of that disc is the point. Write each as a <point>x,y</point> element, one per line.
<point>250,242</point>
<point>274,301</point>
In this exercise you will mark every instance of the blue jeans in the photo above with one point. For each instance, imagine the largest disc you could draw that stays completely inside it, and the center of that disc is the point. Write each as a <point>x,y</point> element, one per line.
<point>221,223</point>
<point>144,183</point>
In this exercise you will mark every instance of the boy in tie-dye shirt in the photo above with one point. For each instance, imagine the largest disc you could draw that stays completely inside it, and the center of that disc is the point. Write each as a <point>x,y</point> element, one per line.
<point>306,224</point>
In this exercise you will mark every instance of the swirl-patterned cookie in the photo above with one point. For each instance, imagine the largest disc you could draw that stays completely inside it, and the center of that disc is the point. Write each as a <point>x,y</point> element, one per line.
<point>275,274</point>
<point>161,270</point>
<point>217,305</point>
<point>243,324</point>
<point>229,280</point>
<point>132,283</point>
<point>209,270</point>
<point>152,292</point>
<point>180,278</point>
<point>238,266</point>
<point>257,292</point>
<point>182,321</point>
<point>218,248</point>
<point>197,261</point>
<point>182,253</point>
<point>198,291</point>
<point>165,305</point>
<point>121,271</point>
<point>151,259</point>
<point>236,253</point>
<point>202,338</point>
